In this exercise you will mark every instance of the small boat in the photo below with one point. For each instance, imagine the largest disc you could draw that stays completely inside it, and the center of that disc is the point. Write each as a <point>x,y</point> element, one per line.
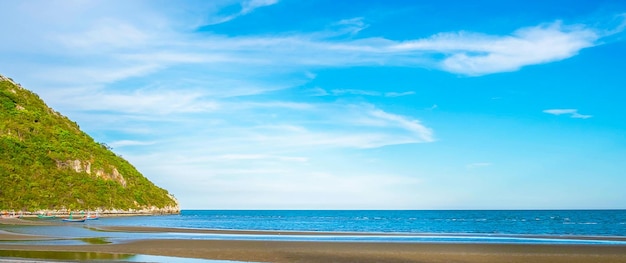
<point>12,215</point>
<point>73,219</point>
<point>48,216</point>
<point>92,217</point>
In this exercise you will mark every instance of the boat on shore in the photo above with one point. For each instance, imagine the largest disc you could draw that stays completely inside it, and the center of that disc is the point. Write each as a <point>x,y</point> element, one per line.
<point>46,216</point>
<point>5,214</point>
<point>92,217</point>
<point>75,220</point>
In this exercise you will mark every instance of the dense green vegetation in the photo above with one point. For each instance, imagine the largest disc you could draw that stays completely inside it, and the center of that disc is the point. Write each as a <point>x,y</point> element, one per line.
<point>47,162</point>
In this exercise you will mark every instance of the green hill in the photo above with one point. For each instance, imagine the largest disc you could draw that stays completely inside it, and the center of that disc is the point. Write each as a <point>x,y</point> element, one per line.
<point>48,163</point>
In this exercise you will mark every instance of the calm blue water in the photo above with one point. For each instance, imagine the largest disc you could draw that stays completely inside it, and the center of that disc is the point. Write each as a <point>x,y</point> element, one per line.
<point>537,227</point>
<point>541,222</point>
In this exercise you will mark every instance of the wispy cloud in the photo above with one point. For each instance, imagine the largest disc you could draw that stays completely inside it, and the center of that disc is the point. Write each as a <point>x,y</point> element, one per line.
<point>352,26</point>
<point>414,126</point>
<point>154,41</point>
<point>127,47</point>
<point>256,182</point>
<point>146,102</point>
<point>339,92</point>
<point>246,7</point>
<point>107,33</point>
<point>573,113</point>
<point>337,126</point>
<point>399,94</point>
<point>249,6</point>
<point>471,53</point>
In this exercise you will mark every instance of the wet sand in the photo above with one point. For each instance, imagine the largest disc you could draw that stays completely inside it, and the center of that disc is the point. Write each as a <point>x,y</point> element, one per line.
<point>279,251</point>
<point>293,251</point>
<point>9,236</point>
<point>27,222</point>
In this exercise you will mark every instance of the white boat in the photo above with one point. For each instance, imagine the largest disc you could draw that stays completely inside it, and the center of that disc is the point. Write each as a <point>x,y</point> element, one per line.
<point>92,217</point>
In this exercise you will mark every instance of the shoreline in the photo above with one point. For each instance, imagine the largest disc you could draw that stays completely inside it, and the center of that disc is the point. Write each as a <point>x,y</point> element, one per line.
<point>321,251</point>
<point>149,229</point>
<point>80,213</point>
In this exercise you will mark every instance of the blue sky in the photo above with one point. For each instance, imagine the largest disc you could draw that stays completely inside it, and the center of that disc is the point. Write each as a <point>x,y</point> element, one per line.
<point>268,104</point>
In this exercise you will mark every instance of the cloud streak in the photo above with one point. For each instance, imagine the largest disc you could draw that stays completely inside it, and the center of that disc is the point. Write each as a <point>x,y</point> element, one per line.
<point>476,54</point>
<point>245,7</point>
<point>154,42</point>
<point>573,113</point>
<point>340,92</point>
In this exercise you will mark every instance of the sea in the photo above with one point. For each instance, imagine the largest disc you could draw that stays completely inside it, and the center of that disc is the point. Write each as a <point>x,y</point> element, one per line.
<point>429,226</point>
<point>569,227</point>
<point>459,226</point>
<point>503,222</point>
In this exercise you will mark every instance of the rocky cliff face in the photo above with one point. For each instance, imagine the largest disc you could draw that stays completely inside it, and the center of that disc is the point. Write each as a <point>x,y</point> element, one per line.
<point>85,167</point>
<point>48,163</point>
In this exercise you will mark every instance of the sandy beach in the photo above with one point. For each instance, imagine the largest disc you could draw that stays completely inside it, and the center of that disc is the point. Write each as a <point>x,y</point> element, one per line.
<point>290,251</point>
<point>275,251</point>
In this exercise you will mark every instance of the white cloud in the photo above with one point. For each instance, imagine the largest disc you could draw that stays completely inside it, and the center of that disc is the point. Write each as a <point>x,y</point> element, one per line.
<point>338,92</point>
<point>149,103</point>
<point>351,26</point>
<point>249,6</point>
<point>415,126</point>
<point>478,54</point>
<point>317,92</point>
<point>246,7</point>
<point>270,104</point>
<point>581,116</point>
<point>399,94</point>
<point>339,126</point>
<point>97,74</point>
<point>153,40</point>
<point>255,181</point>
<point>107,34</point>
<point>573,113</point>
<point>560,111</point>
<point>125,49</point>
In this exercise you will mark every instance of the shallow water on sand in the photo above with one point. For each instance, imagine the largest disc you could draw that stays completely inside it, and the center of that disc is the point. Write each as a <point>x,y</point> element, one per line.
<point>22,255</point>
<point>524,227</point>
<point>525,222</point>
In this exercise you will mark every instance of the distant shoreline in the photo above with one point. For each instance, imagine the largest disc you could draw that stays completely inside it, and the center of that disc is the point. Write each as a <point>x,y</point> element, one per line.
<point>114,213</point>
